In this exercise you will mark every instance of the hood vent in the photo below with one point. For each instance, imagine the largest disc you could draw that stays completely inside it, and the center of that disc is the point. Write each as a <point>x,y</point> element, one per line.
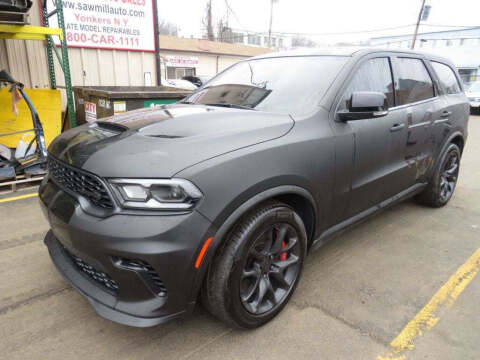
<point>111,127</point>
<point>166,136</point>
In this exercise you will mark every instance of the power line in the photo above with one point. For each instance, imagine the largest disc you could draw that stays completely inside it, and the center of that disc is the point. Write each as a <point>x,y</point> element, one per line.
<point>452,26</point>
<point>229,8</point>
<point>425,40</point>
<point>348,32</point>
<point>328,33</point>
<point>263,33</point>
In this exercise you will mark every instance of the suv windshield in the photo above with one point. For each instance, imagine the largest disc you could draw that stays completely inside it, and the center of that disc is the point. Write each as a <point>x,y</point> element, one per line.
<point>289,85</point>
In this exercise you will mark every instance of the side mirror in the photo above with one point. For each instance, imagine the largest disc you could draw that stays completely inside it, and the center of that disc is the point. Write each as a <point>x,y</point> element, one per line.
<point>365,105</point>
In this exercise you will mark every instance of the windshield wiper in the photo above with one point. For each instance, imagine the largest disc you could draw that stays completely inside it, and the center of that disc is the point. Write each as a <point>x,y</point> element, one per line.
<point>234,106</point>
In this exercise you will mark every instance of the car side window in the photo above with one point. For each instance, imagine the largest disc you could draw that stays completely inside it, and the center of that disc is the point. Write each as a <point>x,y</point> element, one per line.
<point>414,82</point>
<point>447,78</point>
<point>373,75</point>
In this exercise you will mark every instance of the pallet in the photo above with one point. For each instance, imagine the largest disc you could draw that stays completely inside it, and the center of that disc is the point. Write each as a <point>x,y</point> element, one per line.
<point>19,179</point>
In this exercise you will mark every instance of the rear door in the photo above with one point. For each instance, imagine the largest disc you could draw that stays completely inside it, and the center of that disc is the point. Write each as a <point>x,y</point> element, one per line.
<point>411,147</point>
<point>455,107</point>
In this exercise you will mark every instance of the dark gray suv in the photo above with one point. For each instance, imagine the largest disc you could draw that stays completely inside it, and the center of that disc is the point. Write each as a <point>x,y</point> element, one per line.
<point>221,196</point>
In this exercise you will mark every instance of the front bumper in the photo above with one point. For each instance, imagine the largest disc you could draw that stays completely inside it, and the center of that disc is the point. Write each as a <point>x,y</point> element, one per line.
<point>136,270</point>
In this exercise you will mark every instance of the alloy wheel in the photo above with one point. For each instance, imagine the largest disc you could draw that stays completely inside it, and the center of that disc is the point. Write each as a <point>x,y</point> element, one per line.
<point>449,175</point>
<point>271,269</point>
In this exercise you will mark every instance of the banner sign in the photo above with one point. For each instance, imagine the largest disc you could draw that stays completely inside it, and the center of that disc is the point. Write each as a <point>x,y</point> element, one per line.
<point>180,61</point>
<point>108,24</point>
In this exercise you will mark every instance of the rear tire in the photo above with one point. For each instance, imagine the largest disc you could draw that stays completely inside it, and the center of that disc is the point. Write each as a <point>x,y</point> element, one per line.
<point>257,268</point>
<point>442,185</point>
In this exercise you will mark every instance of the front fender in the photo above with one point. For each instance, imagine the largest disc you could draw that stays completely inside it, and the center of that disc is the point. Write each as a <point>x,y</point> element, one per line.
<point>234,216</point>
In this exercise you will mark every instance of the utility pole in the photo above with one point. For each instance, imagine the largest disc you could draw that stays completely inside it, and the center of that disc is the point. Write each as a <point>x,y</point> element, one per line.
<point>271,20</point>
<point>418,24</point>
<point>210,35</point>
<point>158,63</point>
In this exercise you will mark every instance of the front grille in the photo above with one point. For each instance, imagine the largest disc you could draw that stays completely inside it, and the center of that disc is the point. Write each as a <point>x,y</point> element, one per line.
<point>99,276</point>
<point>80,183</point>
<point>146,272</point>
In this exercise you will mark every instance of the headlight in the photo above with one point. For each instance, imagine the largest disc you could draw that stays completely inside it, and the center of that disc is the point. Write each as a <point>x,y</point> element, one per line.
<point>163,194</point>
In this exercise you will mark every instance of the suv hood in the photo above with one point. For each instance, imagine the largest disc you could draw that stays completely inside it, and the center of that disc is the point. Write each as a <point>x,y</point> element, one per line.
<point>159,142</point>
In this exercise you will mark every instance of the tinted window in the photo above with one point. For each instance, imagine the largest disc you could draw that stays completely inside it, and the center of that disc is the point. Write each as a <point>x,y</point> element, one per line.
<point>289,85</point>
<point>447,78</point>
<point>414,81</point>
<point>373,75</point>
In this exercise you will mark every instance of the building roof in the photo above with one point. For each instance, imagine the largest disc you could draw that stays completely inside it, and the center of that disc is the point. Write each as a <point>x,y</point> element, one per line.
<point>330,51</point>
<point>427,33</point>
<point>211,47</point>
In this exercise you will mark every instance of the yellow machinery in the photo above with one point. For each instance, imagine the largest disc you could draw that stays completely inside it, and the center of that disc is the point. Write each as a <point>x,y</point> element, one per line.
<point>48,105</point>
<point>44,104</point>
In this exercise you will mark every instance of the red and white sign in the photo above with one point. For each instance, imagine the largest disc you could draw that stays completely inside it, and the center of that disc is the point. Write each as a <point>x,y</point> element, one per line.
<point>108,24</point>
<point>90,111</point>
<point>180,61</point>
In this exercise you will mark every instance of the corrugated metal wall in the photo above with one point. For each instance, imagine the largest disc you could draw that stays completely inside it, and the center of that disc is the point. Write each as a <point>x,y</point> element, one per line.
<point>26,61</point>
<point>93,67</point>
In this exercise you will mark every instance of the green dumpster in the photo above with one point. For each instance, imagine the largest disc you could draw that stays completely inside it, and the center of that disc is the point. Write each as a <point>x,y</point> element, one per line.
<point>96,102</point>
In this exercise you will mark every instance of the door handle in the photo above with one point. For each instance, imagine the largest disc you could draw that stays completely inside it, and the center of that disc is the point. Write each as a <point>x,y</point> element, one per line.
<point>397,127</point>
<point>446,114</point>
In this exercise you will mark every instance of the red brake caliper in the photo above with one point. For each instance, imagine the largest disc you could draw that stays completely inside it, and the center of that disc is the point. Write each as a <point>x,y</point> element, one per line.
<point>283,255</point>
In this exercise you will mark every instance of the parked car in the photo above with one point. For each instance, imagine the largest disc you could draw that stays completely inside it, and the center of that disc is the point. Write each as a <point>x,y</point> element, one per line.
<point>473,93</point>
<point>222,196</point>
<point>197,80</point>
<point>180,84</point>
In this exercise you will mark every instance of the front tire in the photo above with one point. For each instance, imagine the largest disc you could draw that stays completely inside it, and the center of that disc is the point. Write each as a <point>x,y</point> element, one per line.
<point>440,189</point>
<point>257,267</point>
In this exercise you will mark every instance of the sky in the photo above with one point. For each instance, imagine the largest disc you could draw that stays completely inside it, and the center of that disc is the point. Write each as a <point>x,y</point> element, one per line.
<point>317,17</point>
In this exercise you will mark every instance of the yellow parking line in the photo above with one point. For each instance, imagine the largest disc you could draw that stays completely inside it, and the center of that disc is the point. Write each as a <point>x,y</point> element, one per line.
<point>426,319</point>
<point>18,197</point>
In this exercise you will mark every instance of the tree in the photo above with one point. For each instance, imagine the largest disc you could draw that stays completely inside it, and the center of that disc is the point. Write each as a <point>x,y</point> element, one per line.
<point>167,28</point>
<point>224,33</point>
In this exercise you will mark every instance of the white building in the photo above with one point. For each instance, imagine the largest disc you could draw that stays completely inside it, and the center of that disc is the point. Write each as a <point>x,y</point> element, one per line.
<point>462,46</point>
<point>278,41</point>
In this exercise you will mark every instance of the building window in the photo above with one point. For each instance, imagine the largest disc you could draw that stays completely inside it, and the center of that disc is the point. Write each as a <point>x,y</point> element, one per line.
<point>273,42</point>
<point>280,43</point>
<point>265,40</point>
<point>179,72</point>
<point>237,38</point>
<point>449,42</point>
